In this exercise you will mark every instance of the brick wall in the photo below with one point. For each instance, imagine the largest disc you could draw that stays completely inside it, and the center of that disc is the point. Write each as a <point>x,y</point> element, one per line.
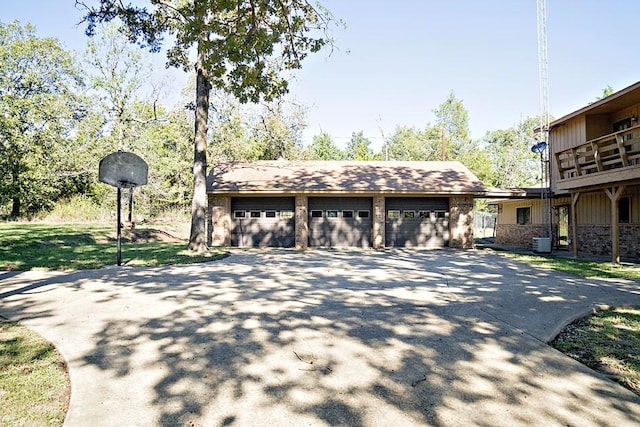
<point>219,230</point>
<point>302,222</point>
<point>596,240</point>
<point>520,236</point>
<point>379,216</point>
<point>461,222</point>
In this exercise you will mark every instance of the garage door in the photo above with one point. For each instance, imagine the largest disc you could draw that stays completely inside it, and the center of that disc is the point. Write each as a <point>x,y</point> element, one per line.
<point>263,221</point>
<point>340,221</point>
<point>417,222</point>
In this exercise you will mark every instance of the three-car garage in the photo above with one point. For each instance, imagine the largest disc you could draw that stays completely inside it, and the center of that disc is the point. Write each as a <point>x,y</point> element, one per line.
<point>340,222</point>
<point>341,204</point>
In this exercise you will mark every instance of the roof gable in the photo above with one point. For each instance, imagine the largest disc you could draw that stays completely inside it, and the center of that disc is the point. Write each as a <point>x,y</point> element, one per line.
<point>616,101</point>
<point>334,177</point>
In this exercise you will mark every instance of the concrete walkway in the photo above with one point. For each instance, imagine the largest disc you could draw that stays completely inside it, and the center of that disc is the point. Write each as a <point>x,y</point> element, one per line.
<point>315,338</point>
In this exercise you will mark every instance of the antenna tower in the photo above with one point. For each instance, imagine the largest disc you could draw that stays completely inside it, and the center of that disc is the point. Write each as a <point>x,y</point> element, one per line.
<point>543,76</point>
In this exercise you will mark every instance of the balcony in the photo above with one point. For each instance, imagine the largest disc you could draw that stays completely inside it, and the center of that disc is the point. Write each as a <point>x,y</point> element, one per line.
<point>604,160</point>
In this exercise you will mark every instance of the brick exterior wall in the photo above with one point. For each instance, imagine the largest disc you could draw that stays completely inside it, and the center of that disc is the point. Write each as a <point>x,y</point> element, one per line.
<point>378,232</point>
<point>595,240</point>
<point>302,222</point>
<point>461,222</point>
<point>219,230</point>
<point>517,235</point>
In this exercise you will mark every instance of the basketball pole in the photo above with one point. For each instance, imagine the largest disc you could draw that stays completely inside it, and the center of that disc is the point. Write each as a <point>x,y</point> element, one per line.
<point>119,253</point>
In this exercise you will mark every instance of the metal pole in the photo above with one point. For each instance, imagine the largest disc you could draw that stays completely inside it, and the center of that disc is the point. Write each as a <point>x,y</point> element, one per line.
<point>119,228</point>
<point>542,201</point>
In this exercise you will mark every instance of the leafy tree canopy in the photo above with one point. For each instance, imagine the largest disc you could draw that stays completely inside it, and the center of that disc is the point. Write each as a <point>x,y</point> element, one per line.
<point>38,108</point>
<point>244,45</point>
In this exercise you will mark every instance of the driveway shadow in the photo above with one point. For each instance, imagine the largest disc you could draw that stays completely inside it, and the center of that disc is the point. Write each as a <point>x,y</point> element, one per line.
<point>356,338</point>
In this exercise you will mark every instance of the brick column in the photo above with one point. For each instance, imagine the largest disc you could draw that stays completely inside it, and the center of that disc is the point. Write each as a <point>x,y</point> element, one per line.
<point>302,222</point>
<point>220,221</point>
<point>378,231</point>
<point>461,222</point>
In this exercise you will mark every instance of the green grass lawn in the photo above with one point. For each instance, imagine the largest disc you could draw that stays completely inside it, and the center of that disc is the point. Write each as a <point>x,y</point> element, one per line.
<point>26,246</point>
<point>609,342</point>
<point>34,386</point>
<point>579,267</point>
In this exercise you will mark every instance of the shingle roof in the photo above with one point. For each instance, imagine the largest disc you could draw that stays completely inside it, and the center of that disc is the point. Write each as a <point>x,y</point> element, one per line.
<point>333,177</point>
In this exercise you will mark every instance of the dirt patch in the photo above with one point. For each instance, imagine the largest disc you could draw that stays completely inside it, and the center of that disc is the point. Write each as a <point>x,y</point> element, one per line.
<point>146,235</point>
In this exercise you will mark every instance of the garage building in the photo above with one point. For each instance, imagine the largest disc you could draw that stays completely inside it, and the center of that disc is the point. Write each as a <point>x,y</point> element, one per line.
<point>341,204</point>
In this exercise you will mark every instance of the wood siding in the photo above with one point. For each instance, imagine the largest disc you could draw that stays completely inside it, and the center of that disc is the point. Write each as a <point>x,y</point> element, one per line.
<point>562,138</point>
<point>593,208</point>
<point>507,214</point>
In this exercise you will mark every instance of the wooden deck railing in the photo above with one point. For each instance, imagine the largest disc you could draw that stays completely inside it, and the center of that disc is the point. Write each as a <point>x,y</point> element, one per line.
<point>614,151</point>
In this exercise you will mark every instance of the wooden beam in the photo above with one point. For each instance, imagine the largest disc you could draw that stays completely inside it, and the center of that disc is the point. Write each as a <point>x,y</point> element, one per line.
<point>614,194</point>
<point>576,161</point>
<point>559,165</point>
<point>596,155</point>
<point>574,222</point>
<point>610,177</point>
<point>622,150</point>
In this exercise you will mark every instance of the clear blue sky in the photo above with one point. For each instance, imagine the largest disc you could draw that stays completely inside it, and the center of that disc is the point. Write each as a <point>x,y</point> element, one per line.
<point>397,61</point>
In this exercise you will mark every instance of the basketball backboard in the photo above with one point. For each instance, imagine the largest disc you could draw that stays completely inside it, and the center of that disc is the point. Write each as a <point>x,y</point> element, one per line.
<point>123,169</point>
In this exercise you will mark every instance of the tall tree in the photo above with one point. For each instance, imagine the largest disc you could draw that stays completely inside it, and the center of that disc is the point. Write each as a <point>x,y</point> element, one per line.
<point>116,72</point>
<point>277,132</point>
<point>323,148</point>
<point>359,148</point>
<point>452,119</point>
<point>229,126</point>
<point>408,143</point>
<point>509,151</point>
<point>166,146</point>
<point>241,46</point>
<point>37,111</point>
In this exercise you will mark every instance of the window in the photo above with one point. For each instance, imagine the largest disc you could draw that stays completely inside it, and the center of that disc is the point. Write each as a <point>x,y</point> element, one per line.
<point>286,214</point>
<point>316,214</point>
<point>270,214</point>
<point>347,214</point>
<point>393,214</point>
<point>239,214</point>
<point>623,125</point>
<point>442,214</point>
<point>424,214</point>
<point>624,210</point>
<point>363,214</point>
<point>523,216</point>
<point>332,214</point>
<point>255,214</point>
<point>409,214</point>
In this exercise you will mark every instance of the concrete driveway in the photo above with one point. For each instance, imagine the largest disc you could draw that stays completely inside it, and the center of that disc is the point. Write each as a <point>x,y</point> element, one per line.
<point>357,338</point>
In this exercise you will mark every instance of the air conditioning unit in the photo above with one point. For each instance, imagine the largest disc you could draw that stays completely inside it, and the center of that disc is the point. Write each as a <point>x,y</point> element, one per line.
<point>542,245</point>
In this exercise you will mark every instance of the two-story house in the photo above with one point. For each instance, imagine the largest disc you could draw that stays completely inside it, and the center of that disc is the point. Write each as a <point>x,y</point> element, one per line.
<point>594,169</point>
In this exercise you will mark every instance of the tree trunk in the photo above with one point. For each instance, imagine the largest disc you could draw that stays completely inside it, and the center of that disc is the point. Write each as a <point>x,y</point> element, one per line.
<point>15,207</point>
<point>198,238</point>
<point>15,201</point>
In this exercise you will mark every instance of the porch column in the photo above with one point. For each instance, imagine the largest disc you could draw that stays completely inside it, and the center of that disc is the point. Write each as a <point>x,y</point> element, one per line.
<point>302,222</point>
<point>614,194</point>
<point>574,222</point>
<point>378,232</point>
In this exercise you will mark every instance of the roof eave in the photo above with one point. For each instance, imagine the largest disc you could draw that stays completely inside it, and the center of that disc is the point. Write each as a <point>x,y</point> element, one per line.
<point>597,104</point>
